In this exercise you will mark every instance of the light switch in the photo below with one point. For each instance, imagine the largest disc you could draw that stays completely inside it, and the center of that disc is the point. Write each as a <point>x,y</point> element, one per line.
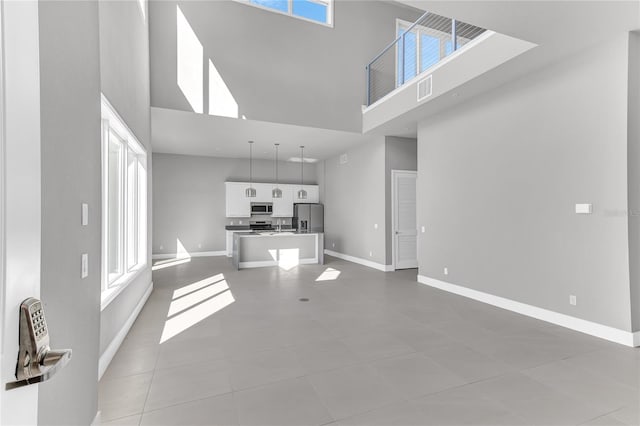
<point>375,226</point>
<point>85,214</point>
<point>584,208</point>
<point>422,229</point>
<point>85,266</point>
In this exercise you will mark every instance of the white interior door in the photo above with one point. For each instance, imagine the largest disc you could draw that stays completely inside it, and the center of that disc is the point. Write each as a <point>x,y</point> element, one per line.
<point>19,194</point>
<point>405,233</point>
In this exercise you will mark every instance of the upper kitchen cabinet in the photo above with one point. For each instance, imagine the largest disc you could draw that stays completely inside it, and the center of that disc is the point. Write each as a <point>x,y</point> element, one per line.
<point>283,207</point>
<point>263,193</point>
<point>237,203</point>
<point>313,194</point>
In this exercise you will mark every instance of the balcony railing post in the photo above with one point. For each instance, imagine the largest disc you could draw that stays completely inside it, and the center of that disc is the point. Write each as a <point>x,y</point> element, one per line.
<point>368,84</point>
<point>402,58</point>
<point>454,35</point>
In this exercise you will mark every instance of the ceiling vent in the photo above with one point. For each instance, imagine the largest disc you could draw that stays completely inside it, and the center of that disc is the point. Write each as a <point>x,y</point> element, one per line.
<point>344,159</point>
<point>424,88</point>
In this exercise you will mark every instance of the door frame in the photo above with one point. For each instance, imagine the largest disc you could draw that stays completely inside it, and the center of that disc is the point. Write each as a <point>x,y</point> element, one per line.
<point>20,193</point>
<point>394,205</point>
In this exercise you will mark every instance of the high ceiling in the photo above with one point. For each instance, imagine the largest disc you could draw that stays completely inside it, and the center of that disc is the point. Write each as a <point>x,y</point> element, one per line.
<point>287,114</point>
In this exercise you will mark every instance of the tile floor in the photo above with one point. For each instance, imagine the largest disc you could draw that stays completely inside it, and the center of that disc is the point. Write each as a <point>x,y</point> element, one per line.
<point>368,348</point>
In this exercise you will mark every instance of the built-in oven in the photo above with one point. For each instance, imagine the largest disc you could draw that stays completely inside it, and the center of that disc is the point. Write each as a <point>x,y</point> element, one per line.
<point>261,208</point>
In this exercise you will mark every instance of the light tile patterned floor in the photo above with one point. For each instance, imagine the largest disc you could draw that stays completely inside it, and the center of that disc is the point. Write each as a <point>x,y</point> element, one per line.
<point>368,348</point>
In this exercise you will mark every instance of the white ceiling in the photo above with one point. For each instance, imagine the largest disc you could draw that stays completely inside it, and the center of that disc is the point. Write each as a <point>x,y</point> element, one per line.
<point>181,132</point>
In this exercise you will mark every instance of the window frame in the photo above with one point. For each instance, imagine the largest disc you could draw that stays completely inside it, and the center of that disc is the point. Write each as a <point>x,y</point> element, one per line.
<point>113,124</point>
<point>289,12</point>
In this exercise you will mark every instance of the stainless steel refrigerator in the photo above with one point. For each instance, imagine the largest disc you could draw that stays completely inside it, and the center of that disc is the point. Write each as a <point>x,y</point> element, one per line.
<point>308,217</point>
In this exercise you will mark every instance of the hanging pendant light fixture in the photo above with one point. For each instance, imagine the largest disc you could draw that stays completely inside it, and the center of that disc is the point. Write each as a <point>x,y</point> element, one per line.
<point>276,192</point>
<point>250,192</point>
<point>302,194</point>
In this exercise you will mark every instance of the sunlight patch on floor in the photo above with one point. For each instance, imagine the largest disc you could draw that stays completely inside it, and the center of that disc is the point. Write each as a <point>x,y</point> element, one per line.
<point>195,302</point>
<point>329,274</point>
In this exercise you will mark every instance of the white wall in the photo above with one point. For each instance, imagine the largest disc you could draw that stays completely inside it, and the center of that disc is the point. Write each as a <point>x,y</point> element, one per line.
<point>633,166</point>
<point>189,197</point>
<point>124,67</point>
<point>278,69</point>
<point>354,197</point>
<point>498,179</point>
<point>70,129</point>
<point>400,154</point>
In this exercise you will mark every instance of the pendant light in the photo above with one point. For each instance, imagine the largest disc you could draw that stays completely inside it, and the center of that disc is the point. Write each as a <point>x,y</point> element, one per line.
<point>276,192</point>
<point>250,192</point>
<point>302,194</point>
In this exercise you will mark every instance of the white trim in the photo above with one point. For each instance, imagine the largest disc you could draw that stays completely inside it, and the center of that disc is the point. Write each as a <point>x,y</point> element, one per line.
<point>594,329</point>
<point>194,254</point>
<point>289,13</point>
<point>263,263</point>
<point>394,239</point>
<point>112,349</point>
<point>97,419</point>
<point>113,122</point>
<point>109,295</point>
<point>364,262</point>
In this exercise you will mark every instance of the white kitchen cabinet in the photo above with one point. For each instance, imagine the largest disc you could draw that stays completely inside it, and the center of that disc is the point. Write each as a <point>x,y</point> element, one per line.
<point>283,207</point>
<point>263,193</point>
<point>237,204</point>
<point>313,194</point>
<point>230,243</point>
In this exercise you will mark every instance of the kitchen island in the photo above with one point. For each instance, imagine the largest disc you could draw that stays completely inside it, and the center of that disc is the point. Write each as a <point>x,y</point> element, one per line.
<point>285,249</point>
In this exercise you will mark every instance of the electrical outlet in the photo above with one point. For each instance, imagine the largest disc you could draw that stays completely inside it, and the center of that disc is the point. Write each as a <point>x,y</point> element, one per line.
<point>370,254</point>
<point>446,270</point>
<point>84,268</point>
<point>375,226</point>
<point>231,222</point>
<point>161,247</point>
<point>199,246</point>
<point>573,300</point>
<point>422,229</point>
<point>333,245</point>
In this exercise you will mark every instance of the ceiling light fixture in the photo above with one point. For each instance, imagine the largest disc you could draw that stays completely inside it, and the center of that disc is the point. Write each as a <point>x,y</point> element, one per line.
<point>276,192</point>
<point>250,192</point>
<point>302,194</point>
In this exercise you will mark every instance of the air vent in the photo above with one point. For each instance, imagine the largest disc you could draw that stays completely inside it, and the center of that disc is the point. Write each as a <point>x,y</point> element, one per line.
<point>424,88</point>
<point>344,159</point>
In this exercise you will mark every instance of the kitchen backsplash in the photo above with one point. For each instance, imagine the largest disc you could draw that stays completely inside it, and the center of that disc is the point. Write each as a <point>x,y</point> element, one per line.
<point>245,221</point>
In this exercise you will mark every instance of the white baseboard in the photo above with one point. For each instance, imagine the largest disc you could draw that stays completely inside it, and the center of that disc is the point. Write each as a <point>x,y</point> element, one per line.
<point>364,262</point>
<point>112,349</point>
<point>262,263</point>
<point>594,329</point>
<point>194,254</point>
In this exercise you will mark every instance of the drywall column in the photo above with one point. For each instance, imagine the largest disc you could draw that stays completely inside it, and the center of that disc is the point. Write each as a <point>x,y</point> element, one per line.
<point>70,132</point>
<point>355,203</point>
<point>633,167</point>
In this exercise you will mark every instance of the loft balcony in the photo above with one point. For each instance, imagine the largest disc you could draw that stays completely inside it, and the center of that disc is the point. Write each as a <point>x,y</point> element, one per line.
<point>429,58</point>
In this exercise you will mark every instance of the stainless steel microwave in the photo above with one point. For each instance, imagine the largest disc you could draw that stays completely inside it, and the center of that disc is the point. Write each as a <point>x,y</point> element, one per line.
<point>261,208</point>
